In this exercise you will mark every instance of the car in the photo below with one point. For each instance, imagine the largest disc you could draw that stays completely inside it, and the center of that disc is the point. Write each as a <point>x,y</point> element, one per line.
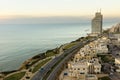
<point>41,69</point>
<point>65,74</point>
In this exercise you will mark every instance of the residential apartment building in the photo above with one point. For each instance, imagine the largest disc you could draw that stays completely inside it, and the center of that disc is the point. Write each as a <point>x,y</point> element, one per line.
<point>84,67</point>
<point>97,23</point>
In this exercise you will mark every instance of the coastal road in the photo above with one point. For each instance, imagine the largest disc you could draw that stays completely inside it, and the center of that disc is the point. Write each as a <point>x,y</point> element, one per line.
<point>56,69</point>
<point>40,75</point>
<point>75,49</point>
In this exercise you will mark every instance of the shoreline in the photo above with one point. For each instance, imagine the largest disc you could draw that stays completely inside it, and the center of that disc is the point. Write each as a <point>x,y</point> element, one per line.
<point>29,65</point>
<point>32,65</point>
<point>27,62</point>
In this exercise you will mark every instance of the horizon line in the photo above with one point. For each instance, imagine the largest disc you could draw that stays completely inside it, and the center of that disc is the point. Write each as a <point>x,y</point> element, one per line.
<point>52,16</point>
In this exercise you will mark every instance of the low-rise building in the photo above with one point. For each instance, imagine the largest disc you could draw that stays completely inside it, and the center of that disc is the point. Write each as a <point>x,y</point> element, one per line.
<point>85,62</point>
<point>84,67</point>
<point>77,68</point>
<point>102,48</point>
<point>117,62</point>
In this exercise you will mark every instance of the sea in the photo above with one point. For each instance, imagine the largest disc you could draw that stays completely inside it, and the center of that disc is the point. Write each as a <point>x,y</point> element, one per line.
<point>19,42</point>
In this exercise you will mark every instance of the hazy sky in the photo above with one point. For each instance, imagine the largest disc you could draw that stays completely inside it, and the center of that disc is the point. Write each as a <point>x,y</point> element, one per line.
<point>58,7</point>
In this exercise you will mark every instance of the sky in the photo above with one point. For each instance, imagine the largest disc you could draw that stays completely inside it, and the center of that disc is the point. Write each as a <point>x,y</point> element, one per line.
<point>45,8</point>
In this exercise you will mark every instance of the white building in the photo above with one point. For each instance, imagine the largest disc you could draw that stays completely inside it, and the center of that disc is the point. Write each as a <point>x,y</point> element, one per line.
<point>82,70</point>
<point>84,67</point>
<point>76,68</point>
<point>117,64</point>
<point>102,48</point>
<point>101,45</point>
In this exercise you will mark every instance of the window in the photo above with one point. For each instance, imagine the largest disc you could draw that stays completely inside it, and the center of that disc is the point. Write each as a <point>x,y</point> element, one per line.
<point>65,73</point>
<point>82,73</point>
<point>78,68</point>
<point>83,68</point>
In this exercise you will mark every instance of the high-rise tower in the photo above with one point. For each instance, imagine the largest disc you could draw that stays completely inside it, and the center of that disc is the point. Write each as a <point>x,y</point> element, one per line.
<point>97,23</point>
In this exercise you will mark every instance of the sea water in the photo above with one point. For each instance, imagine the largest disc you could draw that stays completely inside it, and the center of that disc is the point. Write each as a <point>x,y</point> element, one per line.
<point>19,42</point>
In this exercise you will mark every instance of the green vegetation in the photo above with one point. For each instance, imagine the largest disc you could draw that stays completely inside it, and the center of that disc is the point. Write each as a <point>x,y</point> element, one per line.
<point>37,67</point>
<point>104,78</point>
<point>35,59</point>
<point>106,58</point>
<point>79,39</point>
<point>39,56</point>
<point>8,72</point>
<point>84,38</point>
<point>88,37</point>
<point>27,65</point>
<point>106,31</point>
<point>70,45</point>
<point>16,76</point>
<point>50,53</point>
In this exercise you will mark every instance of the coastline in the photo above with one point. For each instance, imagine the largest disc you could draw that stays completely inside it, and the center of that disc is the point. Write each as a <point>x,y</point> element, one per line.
<point>35,59</point>
<point>29,63</point>
<point>17,54</point>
